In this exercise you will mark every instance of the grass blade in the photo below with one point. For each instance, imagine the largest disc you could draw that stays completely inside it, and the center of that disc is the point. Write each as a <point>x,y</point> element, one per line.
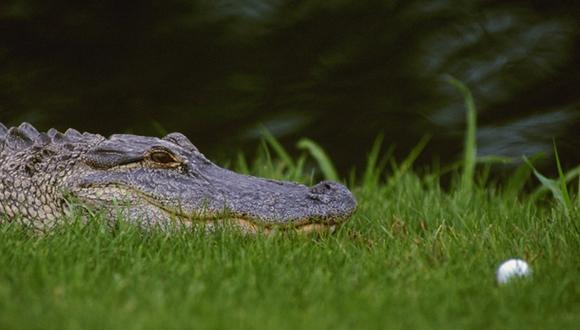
<point>242,164</point>
<point>410,159</point>
<point>324,162</point>
<point>278,149</point>
<point>373,167</point>
<point>518,179</point>
<point>563,184</point>
<point>547,183</point>
<point>470,146</point>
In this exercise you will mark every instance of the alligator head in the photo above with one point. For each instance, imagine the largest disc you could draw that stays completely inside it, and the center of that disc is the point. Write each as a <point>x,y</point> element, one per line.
<point>157,180</point>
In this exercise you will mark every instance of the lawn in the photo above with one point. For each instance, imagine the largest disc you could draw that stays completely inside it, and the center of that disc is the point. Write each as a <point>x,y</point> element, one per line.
<point>413,256</point>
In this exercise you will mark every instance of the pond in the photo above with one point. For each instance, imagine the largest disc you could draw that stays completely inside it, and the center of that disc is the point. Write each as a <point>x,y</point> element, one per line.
<point>338,72</point>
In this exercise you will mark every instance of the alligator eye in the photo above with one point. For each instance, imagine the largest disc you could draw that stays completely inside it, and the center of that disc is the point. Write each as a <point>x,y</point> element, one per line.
<point>162,157</point>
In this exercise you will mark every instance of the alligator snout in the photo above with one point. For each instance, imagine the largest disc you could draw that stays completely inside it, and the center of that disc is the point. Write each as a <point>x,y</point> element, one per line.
<point>272,205</point>
<point>326,191</point>
<point>336,201</point>
<point>329,192</point>
<point>281,203</point>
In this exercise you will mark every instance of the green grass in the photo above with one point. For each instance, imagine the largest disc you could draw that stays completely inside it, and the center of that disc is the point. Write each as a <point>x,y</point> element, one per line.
<point>414,256</point>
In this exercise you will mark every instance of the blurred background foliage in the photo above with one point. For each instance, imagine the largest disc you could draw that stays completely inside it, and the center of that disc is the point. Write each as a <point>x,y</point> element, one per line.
<point>339,72</point>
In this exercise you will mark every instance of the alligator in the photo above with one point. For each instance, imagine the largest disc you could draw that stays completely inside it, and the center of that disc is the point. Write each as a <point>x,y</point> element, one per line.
<point>150,182</point>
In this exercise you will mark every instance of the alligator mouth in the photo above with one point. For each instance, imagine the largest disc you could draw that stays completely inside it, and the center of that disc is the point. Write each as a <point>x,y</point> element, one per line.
<point>249,227</point>
<point>215,219</point>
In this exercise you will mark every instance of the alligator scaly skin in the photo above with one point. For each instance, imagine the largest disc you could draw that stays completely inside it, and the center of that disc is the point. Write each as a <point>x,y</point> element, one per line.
<point>149,181</point>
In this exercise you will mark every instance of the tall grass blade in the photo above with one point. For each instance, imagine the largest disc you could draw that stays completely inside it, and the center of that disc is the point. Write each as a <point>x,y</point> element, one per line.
<point>324,162</point>
<point>374,166</point>
<point>549,184</point>
<point>470,147</point>
<point>563,184</point>
<point>299,170</point>
<point>559,188</point>
<point>242,164</point>
<point>515,184</point>
<point>415,152</point>
<point>410,159</point>
<point>265,156</point>
<point>569,176</point>
<point>278,149</point>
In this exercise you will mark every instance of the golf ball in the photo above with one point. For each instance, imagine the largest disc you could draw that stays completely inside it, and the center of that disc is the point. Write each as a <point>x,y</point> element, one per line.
<point>512,268</point>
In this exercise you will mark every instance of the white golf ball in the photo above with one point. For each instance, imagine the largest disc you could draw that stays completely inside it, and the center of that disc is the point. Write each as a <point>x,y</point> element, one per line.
<point>512,268</point>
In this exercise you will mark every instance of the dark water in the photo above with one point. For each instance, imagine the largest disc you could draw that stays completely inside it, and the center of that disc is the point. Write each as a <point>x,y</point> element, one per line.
<point>339,72</point>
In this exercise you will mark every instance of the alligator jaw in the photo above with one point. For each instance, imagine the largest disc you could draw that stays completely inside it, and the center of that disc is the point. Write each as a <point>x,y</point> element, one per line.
<point>225,217</point>
<point>228,219</point>
<point>250,227</point>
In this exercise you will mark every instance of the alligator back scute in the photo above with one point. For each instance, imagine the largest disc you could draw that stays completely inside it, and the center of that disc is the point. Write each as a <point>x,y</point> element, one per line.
<point>32,168</point>
<point>73,134</point>
<point>21,137</point>
<point>26,136</point>
<point>28,131</point>
<point>15,139</point>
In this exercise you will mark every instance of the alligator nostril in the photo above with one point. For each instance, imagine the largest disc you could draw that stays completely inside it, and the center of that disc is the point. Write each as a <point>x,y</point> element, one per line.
<point>324,188</point>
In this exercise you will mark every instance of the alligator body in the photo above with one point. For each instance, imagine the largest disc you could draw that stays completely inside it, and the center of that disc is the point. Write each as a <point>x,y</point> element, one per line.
<point>151,182</point>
